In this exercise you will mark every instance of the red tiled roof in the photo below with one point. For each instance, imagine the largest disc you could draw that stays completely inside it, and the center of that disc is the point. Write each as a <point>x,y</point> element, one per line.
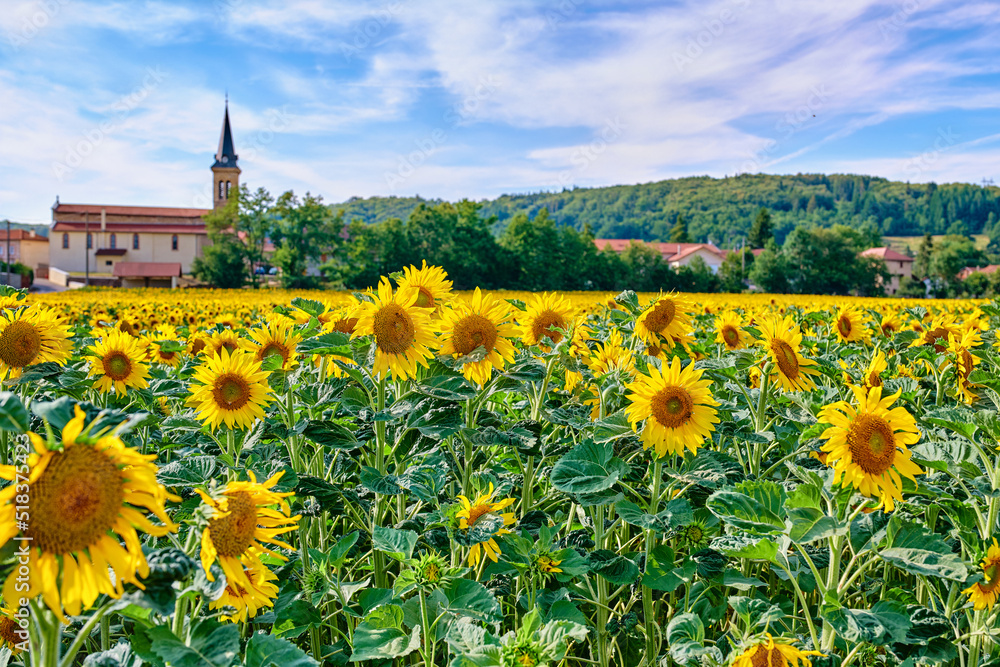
<point>140,211</point>
<point>22,235</point>
<point>969,270</point>
<point>147,269</point>
<point>886,253</point>
<point>670,251</point>
<point>692,250</point>
<point>149,227</point>
<point>110,252</point>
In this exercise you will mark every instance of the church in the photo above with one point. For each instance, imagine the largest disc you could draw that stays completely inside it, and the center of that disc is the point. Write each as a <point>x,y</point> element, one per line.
<point>136,246</point>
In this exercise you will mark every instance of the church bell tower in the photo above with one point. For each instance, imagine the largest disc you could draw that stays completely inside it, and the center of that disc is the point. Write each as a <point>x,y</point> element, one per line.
<point>225,172</point>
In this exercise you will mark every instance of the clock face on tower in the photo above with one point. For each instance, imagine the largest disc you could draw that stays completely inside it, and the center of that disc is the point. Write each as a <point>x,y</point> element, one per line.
<point>225,158</point>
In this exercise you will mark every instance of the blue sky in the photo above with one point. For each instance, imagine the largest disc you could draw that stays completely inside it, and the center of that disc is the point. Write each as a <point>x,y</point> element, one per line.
<point>121,102</point>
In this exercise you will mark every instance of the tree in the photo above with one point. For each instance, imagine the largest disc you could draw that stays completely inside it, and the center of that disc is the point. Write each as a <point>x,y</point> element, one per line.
<point>222,264</point>
<point>734,270</point>
<point>303,232</point>
<point>953,254</point>
<point>770,270</point>
<point>679,232</point>
<point>922,264</point>
<point>762,229</point>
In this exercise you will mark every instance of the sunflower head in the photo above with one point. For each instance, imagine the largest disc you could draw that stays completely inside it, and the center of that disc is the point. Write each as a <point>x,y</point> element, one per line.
<point>116,363</point>
<point>665,321</point>
<point>850,326</point>
<point>481,520</point>
<point>12,635</point>
<point>29,336</point>
<point>431,284</point>
<point>484,324</point>
<point>276,338</point>
<point>231,389</point>
<point>248,595</point>
<point>545,319</point>
<point>764,651</point>
<point>984,594</point>
<point>729,332</point>
<point>402,331</point>
<point>782,338</point>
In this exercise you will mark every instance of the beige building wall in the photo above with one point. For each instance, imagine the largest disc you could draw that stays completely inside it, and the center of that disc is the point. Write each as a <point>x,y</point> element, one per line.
<point>153,247</point>
<point>27,252</point>
<point>711,259</point>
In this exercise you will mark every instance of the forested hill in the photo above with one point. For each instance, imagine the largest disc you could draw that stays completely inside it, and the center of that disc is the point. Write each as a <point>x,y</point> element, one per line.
<point>722,209</point>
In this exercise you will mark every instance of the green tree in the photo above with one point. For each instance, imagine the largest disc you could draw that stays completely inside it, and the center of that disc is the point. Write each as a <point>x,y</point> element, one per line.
<point>922,264</point>
<point>734,270</point>
<point>245,218</point>
<point>222,264</point>
<point>762,229</point>
<point>304,231</point>
<point>770,270</point>
<point>679,232</point>
<point>952,254</point>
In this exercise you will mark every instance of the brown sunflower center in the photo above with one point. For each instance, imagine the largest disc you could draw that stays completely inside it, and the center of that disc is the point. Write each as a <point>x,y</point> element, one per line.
<point>968,363</point>
<point>477,512</point>
<point>788,361</point>
<point>424,298</point>
<point>844,326</point>
<point>730,335</point>
<point>472,331</point>
<point>19,344</point>
<point>345,325</point>
<point>874,380</point>
<point>233,534</point>
<point>662,314</point>
<point>197,346</point>
<point>935,336</point>
<point>766,657</point>
<point>546,325</point>
<point>888,328</point>
<point>274,348</point>
<point>167,356</point>
<point>872,444</point>
<point>231,391</point>
<point>8,632</point>
<point>672,406</point>
<point>117,366</point>
<point>992,573</point>
<point>75,502</point>
<point>229,345</point>
<point>393,327</point>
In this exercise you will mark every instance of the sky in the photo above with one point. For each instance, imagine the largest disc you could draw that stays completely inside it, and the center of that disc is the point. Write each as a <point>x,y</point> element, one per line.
<point>121,102</point>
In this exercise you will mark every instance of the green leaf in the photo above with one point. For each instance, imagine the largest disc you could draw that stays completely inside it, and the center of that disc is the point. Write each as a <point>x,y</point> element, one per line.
<point>385,616</point>
<point>587,468</point>
<point>210,645</point>
<point>685,626</point>
<point>333,342</point>
<point>295,618</point>
<point>13,415</point>
<point>677,513</point>
<point>887,622</point>
<point>662,575</point>
<point>330,434</point>
<point>473,600</point>
<point>612,427</point>
<point>397,543</point>
<point>810,524</point>
<point>930,563</point>
<point>616,569</point>
<point>372,643</point>
<point>314,308</point>
<point>188,471</point>
<point>746,512</point>
<point>386,485</point>
<point>270,651</point>
<point>447,388</point>
<point>746,546</point>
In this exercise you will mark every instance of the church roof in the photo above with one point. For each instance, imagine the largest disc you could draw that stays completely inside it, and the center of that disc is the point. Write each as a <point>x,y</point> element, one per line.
<point>226,155</point>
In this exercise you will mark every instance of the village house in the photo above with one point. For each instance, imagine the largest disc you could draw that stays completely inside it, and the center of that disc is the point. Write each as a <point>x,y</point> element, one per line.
<point>132,246</point>
<point>899,266</point>
<point>26,247</point>
<point>675,254</point>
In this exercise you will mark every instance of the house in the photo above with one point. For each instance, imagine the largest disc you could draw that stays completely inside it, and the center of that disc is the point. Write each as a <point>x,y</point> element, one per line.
<point>969,270</point>
<point>114,244</point>
<point>27,247</point>
<point>675,254</point>
<point>899,265</point>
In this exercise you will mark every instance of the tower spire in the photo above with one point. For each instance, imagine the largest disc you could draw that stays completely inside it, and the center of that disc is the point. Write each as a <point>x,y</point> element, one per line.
<point>225,171</point>
<point>226,155</point>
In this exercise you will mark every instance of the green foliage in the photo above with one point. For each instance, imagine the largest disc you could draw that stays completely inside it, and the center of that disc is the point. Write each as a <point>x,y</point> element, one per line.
<point>222,264</point>
<point>762,230</point>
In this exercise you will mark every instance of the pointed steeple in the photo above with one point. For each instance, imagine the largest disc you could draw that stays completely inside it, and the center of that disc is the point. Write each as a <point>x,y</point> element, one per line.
<point>226,155</point>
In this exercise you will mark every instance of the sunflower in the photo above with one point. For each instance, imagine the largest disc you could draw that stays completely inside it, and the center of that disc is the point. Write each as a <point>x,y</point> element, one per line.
<point>665,321</point>
<point>248,600</point>
<point>867,444</point>
<point>546,564</point>
<point>543,318</point>
<point>403,332</point>
<point>216,341</point>
<point>29,336</point>
<point>156,352</point>
<point>87,495</point>
<point>116,362</point>
<point>965,362</point>
<point>431,284</point>
<point>782,338</point>
<point>936,334</point>
<point>275,338</point>
<point>890,325</point>
<point>850,326</point>
<point>728,331</point>
<point>765,652</point>
<point>873,374</point>
<point>230,388</point>
<point>483,507</point>
<point>611,355</point>
<point>484,322</point>
<point>984,595</point>
<point>12,635</point>
<point>677,406</point>
<point>242,520</point>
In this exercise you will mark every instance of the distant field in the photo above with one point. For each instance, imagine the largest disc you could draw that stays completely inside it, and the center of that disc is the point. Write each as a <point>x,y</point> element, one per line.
<point>912,243</point>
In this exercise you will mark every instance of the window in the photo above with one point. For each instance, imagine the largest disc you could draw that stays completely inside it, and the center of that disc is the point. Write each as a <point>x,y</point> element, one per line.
<point>114,240</point>
<point>3,250</point>
<point>135,242</point>
<point>90,240</point>
<point>173,242</point>
<point>65,240</point>
<point>222,187</point>
<point>108,263</point>
<point>229,188</point>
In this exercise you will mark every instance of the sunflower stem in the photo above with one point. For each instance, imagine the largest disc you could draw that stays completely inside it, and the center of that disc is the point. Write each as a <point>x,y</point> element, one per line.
<point>380,444</point>
<point>652,641</point>
<point>603,658</point>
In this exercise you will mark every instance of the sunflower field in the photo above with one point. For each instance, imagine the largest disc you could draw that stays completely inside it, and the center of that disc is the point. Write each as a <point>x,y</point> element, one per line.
<point>416,476</point>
